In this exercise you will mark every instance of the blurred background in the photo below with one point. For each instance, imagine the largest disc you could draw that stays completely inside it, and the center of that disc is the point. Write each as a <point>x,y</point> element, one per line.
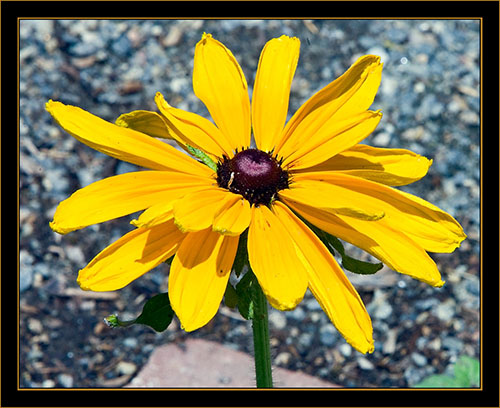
<point>429,96</point>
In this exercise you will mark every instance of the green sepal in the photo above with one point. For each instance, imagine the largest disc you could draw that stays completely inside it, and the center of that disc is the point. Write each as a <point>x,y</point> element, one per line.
<point>114,322</point>
<point>241,258</point>
<point>156,313</point>
<point>200,155</point>
<point>244,290</point>
<point>230,296</point>
<point>242,295</point>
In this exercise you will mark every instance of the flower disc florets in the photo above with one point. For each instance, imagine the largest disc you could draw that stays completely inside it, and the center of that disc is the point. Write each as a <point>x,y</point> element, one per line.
<point>254,174</point>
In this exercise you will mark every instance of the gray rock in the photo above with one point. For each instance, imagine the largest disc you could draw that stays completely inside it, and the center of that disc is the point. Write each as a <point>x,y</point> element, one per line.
<point>130,342</point>
<point>305,340</point>
<point>446,310</point>
<point>66,380</point>
<point>453,344</point>
<point>419,359</point>
<point>25,270</point>
<point>328,335</point>
<point>126,368</point>
<point>76,255</point>
<point>25,277</point>
<point>345,349</point>
<point>277,319</point>
<point>365,364</point>
<point>297,314</point>
<point>389,346</point>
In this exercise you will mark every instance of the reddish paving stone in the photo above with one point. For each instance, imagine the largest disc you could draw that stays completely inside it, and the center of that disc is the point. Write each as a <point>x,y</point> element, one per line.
<point>199,363</point>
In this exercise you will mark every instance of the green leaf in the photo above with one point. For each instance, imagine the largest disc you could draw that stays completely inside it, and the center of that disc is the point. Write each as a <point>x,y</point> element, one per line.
<point>156,313</point>
<point>467,371</point>
<point>439,381</point>
<point>467,375</point>
<point>360,267</point>
<point>202,156</point>
<point>349,263</point>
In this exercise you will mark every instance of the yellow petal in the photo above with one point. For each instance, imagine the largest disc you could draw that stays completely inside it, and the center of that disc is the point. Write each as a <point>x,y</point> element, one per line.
<point>123,143</point>
<point>197,211</point>
<point>130,257</point>
<point>325,104</point>
<point>271,92</point>
<point>275,260</point>
<point>393,167</point>
<point>328,198</point>
<point>220,83</point>
<point>150,123</point>
<point>198,276</point>
<point>392,247</point>
<point>399,251</point>
<point>328,283</point>
<point>154,215</point>
<point>332,138</point>
<point>234,219</point>
<point>430,227</point>
<point>123,194</point>
<point>191,129</point>
<point>364,96</point>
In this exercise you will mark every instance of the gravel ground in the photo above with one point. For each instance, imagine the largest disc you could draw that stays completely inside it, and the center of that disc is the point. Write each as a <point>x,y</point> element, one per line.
<point>430,99</point>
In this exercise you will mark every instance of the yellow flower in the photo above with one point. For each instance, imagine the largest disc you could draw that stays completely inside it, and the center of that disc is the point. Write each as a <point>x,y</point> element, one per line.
<point>312,166</point>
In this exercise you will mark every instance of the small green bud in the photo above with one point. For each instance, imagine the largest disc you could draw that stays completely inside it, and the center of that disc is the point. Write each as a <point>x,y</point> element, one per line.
<point>112,321</point>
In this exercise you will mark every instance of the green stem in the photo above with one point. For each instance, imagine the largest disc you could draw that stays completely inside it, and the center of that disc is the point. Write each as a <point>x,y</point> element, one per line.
<point>262,349</point>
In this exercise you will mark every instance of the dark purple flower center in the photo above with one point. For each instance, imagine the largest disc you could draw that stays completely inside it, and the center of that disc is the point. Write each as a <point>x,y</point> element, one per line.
<point>254,174</point>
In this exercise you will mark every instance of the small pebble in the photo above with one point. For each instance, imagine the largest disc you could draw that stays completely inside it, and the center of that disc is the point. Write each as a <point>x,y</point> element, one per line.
<point>446,310</point>
<point>453,344</point>
<point>383,311</point>
<point>130,342</point>
<point>305,340</point>
<point>35,325</point>
<point>126,368</point>
<point>365,364</point>
<point>345,349</point>
<point>66,380</point>
<point>419,359</point>
<point>277,319</point>
<point>282,359</point>
<point>48,383</point>
<point>25,278</point>
<point>328,335</point>
<point>75,254</point>
<point>389,346</point>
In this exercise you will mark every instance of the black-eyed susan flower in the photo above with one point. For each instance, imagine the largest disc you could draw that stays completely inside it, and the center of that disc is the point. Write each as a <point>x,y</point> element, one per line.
<point>311,169</point>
